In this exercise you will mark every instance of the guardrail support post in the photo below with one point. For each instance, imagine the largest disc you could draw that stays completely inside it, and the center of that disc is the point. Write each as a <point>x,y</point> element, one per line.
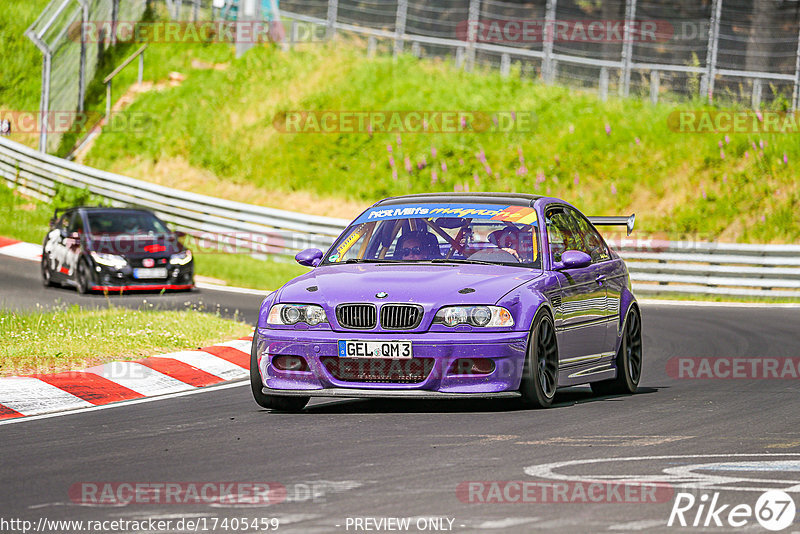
<point>416,49</point>
<point>603,86</point>
<point>400,27</point>
<point>372,46</point>
<point>459,57</point>
<point>707,86</point>
<point>627,47</point>
<point>655,86</point>
<point>505,65</point>
<point>195,9</point>
<point>756,99</point>
<point>333,10</point>
<point>549,36</point>
<point>473,17</point>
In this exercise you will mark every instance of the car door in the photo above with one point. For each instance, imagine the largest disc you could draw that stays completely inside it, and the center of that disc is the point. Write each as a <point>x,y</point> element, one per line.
<point>609,273</point>
<point>580,318</point>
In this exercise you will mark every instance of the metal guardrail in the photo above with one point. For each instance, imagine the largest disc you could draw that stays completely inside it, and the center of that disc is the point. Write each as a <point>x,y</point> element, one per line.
<point>655,266</point>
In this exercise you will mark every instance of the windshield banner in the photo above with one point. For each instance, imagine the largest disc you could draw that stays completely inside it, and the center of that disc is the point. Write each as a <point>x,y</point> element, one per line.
<point>492,212</point>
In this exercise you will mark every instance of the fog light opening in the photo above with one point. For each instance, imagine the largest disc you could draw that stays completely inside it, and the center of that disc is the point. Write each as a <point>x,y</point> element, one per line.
<point>472,366</point>
<point>290,363</point>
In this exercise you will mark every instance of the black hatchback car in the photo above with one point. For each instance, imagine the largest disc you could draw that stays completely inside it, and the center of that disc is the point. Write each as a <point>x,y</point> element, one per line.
<point>115,249</point>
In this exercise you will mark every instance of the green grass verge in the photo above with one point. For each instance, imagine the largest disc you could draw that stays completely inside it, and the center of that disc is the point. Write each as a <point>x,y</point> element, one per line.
<point>242,270</point>
<point>607,157</point>
<point>21,67</point>
<point>73,338</point>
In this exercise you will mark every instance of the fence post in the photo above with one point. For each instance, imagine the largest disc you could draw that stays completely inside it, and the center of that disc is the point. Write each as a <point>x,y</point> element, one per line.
<point>178,7</point>
<point>400,26</point>
<point>505,65</point>
<point>82,67</point>
<point>195,10</point>
<point>333,10</point>
<point>473,17</point>
<point>796,99</point>
<point>756,97</point>
<point>549,35</point>
<point>603,86</point>
<point>45,105</point>
<point>655,86</point>
<point>707,86</point>
<point>140,76</point>
<point>114,21</point>
<point>108,99</point>
<point>627,47</point>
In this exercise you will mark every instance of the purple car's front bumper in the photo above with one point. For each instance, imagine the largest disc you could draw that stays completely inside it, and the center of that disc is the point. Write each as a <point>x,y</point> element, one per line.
<point>319,348</point>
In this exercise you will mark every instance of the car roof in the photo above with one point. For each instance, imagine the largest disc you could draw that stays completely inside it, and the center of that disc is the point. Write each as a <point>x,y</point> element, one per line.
<point>520,199</point>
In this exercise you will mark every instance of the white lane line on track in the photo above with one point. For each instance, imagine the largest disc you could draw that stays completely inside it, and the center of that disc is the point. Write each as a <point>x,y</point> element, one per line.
<point>638,525</point>
<point>233,289</point>
<point>31,396</point>
<point>208,363</point>
<point>140,378</point>
<point>193,391</point>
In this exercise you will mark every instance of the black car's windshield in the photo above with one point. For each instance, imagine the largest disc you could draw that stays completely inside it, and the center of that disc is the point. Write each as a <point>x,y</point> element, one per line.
<point>441,233</point>
<point>125,222</point>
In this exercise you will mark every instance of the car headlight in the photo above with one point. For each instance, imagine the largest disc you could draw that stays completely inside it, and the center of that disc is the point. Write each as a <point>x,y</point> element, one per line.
<point>109,260</point>
<point>181,258</point>
<point>289,314</point>
<point>482,316</point>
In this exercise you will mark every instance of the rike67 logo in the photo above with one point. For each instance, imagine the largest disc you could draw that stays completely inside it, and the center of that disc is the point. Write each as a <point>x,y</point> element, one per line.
<point>774,510</point>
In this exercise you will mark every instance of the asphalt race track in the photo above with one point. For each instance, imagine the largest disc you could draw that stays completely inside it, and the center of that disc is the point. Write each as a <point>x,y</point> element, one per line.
<point>342,461</point>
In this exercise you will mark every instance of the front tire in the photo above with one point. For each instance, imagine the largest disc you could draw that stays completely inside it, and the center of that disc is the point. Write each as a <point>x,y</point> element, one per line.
<point>629,360</point>
<point>540,372</point>
<point>83,278</point>
<point>271,402</point>
<point>47,276</point>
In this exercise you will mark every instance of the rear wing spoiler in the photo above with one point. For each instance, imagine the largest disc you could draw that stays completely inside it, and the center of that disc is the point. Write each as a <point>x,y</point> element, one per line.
<point>620,220</point>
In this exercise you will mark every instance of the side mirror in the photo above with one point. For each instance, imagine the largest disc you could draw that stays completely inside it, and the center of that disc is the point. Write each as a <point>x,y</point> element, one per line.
<point>310,257</point>
<point>573,259</point>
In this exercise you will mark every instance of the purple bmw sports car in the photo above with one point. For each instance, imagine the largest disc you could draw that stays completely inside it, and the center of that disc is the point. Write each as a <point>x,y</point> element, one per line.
<point>453,296</point>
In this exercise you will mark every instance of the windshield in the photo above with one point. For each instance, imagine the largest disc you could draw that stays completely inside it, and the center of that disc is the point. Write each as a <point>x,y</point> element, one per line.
<point>458,233</point>
<point>125,222</point>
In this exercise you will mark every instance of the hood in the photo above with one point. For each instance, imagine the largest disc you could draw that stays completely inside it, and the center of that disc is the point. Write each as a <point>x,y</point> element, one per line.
<point>425,284</point>
<point>134,245</point>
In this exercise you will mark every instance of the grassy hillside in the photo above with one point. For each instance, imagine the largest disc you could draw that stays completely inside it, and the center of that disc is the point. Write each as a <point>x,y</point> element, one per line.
<point>215,131</point>
<point>21,70</point>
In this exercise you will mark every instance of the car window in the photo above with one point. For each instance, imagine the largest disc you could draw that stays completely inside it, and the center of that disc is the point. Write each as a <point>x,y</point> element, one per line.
<point>563,232</point>
<point>593,244</point>
<point>75,223</point>
<point>125,222</point>
<point>482,233</point>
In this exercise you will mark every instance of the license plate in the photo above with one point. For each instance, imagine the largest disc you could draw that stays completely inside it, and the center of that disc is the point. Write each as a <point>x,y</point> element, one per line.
<point>375,349</point>
<point>158,272</point>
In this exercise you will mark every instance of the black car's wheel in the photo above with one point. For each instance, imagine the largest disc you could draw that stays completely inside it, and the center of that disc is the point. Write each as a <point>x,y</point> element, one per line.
<point>629,359</point>
<point>272,402</point>
<point>47,276</point>
<point>540,372</point>
<point>83,278</point>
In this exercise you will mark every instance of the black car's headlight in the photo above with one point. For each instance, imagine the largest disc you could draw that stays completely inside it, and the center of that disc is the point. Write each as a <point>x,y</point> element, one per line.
<point>109,260</point>
<point>181,258</point>
<point>482,316</point>
<point>289,314</point>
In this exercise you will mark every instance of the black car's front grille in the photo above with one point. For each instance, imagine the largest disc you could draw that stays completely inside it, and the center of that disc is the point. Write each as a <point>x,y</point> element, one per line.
<point>384,370</point>
<point>400,316</point>
<point>356,316</point>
